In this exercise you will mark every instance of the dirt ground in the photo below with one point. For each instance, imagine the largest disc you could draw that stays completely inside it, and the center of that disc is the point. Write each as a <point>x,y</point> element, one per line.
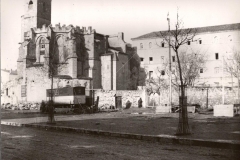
<point>22,143</point>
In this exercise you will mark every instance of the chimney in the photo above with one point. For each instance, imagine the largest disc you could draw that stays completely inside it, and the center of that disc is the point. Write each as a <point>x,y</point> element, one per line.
<point>84,29</point>
<point>90,29</point>
<point>106,44</point>
<point>121,35</point>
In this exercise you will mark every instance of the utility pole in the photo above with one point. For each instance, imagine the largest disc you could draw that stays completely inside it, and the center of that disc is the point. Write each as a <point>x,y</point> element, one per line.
<point>170,67</point>
<point>238,68</point>
<point>222,80</point>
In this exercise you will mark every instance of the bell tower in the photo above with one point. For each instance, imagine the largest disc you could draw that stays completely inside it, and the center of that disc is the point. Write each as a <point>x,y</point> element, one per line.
<point>37,13</point>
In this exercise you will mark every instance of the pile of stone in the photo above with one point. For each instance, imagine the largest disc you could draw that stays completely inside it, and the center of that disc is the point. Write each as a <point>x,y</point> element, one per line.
<point>29,106</point>
<point>107,108</point>
<point>21,106</point>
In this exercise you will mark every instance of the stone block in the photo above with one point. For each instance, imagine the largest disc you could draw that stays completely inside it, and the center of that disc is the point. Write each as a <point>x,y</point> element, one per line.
<point>191,109</point>
<point>163,109</point>
<point>223,110</point>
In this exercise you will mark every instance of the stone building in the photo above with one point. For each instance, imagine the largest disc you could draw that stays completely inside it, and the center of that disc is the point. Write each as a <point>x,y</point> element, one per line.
<point>87,58</point>
<point>217,42</point>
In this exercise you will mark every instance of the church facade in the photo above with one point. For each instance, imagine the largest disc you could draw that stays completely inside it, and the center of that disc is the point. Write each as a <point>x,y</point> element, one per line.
<point>84,57</point>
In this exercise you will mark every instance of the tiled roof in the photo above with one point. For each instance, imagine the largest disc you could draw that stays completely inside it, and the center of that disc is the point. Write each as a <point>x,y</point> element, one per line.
<point>235,26</point>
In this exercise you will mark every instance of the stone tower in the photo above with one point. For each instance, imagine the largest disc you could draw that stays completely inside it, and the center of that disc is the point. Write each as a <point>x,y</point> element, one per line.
<point>37,13</point>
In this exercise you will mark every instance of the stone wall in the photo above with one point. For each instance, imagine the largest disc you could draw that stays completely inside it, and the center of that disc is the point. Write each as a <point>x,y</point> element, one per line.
<point>199,96</point>
<point>122,72</point>
<point>106,72</point>
<point>194,96</point>
<point>107,97</point>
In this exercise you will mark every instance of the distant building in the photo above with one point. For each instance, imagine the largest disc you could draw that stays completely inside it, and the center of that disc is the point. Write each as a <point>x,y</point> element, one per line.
<point>6,77</point>
<point>90,59</point>
<point>217,42</point>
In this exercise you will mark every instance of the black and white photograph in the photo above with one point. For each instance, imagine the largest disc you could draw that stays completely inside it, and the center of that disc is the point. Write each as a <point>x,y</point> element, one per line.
<point>120,79</point>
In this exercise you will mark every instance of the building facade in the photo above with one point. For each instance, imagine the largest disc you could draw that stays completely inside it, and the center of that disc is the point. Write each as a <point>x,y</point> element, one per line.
<point>217,43</point>
<point>87,58</point>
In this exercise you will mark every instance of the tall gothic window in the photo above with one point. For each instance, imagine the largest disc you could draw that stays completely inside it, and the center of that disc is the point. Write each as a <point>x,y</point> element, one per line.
<point>42,46</point>
<point>60,49</point>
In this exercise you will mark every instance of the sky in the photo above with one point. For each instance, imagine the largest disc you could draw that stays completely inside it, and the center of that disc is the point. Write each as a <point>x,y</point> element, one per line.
<point>132,17</point>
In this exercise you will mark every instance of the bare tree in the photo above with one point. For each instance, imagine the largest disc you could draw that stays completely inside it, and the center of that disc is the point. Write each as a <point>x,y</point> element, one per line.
<point>157,83</point>
<point>192,64</point>
<point>55,61</point>
<point>232,66</point>
<point>179,37</point>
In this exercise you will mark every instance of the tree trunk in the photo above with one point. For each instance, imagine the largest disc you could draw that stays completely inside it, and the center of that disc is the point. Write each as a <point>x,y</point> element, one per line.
<point>51,119</point>
<point>183,127</point>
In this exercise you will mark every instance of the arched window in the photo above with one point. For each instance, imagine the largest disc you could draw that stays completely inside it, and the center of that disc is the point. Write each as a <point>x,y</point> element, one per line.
<point>42,44</point>
<point>141,46</point>
<point>40,50</point>
<point>30,4</point>
<point>150,44</point>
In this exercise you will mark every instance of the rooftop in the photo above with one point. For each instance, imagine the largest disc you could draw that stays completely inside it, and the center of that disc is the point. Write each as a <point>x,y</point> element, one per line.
<point>225,27</point>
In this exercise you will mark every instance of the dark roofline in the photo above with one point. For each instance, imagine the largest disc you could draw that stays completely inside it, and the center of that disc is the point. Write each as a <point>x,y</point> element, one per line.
<point>99,34</point>
<point>5,70</point>
<point>225,27</point>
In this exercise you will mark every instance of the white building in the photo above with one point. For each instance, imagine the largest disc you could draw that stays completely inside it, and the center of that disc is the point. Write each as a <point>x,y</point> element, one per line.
<point>217,42</point>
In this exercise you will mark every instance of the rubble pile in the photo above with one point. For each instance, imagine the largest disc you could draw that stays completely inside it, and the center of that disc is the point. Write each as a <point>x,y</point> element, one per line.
<point>21,106</point>
<point>107,108</point>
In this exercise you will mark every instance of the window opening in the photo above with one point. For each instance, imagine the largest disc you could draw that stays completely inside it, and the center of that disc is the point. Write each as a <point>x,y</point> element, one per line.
<point>150,74</point>
<point>162,44</point>
<point>162,72</point>
<point>216,56</point>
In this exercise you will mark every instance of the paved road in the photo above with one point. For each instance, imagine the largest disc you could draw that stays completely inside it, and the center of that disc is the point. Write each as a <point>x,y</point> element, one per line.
<point>30,143</point>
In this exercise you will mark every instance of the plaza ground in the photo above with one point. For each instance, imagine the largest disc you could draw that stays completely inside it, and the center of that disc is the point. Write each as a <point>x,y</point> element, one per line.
<point>141,121</point>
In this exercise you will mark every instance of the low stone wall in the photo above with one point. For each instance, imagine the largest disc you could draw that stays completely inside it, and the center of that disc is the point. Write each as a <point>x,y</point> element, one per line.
<point>199,96</point>
<point>107,97</point>
<point>194,96</point>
